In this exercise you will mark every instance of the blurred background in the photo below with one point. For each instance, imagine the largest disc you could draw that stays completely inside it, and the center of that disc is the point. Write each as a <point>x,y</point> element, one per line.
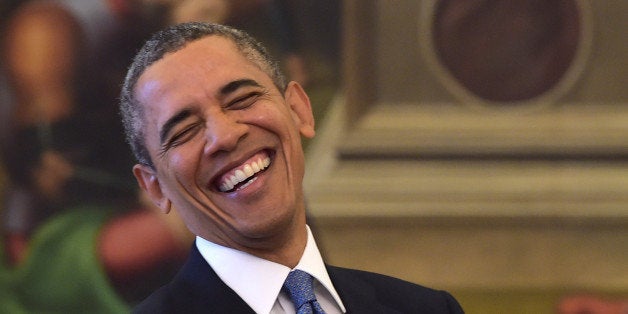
<point>475,146</point>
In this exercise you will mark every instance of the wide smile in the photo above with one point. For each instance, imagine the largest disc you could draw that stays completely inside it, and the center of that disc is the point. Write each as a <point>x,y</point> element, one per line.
<point>245,174</point>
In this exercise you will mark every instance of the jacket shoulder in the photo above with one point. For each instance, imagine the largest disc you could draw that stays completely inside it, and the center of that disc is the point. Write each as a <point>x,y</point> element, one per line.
<point>160,301</point>
<point>392,295</point>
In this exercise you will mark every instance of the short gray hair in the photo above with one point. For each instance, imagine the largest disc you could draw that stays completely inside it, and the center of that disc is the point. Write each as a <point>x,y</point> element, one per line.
<point>171,40</point>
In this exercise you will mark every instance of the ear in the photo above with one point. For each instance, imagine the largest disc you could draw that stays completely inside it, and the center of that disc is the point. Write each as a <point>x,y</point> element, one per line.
<point>301,109</point>
<point>149,182</point>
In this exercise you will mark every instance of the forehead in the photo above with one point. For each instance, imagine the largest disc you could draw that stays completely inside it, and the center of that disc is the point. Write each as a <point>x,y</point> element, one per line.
<point>203,65</point>
<point>214,48</point>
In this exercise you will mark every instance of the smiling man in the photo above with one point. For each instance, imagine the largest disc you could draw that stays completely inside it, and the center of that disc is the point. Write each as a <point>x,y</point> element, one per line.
<point>217,134</point>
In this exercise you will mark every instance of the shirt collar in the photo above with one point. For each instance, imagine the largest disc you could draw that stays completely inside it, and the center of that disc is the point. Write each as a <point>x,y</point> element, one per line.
<point>312,263</point>
<point>258,281</point>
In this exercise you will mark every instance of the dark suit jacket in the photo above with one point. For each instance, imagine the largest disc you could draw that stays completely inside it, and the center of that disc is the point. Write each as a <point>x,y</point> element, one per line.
<point>197,289</point>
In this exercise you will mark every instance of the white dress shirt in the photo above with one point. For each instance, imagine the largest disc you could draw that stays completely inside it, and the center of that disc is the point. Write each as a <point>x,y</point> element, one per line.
<point>258,281</point>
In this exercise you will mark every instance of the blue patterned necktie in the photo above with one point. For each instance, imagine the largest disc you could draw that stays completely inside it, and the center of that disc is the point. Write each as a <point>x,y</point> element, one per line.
<point>299,287</point>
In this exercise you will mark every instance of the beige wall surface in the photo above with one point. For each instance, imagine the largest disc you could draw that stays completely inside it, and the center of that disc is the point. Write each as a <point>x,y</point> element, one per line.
<point>414,176</point>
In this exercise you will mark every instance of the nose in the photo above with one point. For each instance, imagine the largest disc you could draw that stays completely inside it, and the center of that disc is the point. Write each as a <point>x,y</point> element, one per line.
<point>223,132</point>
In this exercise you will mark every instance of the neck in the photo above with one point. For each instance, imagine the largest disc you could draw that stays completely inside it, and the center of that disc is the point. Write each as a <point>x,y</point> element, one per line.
<point>289,253</point>
<point>284,248</point>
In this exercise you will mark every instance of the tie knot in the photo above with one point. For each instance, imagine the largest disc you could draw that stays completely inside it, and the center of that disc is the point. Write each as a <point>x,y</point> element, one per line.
<point>299,287</point>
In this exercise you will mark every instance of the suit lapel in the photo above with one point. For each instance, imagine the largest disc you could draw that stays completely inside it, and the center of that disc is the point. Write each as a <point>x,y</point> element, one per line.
<point>204,290</point>
<point>357,295</point>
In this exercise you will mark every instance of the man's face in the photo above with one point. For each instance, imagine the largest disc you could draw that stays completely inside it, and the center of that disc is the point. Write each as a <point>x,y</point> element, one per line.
<point>225,143</point>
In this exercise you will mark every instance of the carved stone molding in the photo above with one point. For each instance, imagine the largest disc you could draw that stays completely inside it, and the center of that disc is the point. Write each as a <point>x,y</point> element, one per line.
<point>404,140</point>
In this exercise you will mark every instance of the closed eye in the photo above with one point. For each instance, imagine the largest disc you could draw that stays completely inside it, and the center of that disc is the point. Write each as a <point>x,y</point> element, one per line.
<point>245,101</point>
<point>181,137</point>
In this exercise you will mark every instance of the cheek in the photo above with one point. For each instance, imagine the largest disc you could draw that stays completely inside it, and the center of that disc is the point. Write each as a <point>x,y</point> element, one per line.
<point>182,164</point>
<point>274,118</point>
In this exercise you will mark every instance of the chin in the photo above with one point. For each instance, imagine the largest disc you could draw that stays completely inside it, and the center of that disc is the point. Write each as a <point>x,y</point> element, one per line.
<point>261,229</point>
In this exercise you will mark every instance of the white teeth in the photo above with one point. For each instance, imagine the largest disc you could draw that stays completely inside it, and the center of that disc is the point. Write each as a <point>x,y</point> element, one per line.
<point>255,167</point>
<point>245,173</point>
<point>248,170</point>
<point>240,175</point>
<point>233,180</point>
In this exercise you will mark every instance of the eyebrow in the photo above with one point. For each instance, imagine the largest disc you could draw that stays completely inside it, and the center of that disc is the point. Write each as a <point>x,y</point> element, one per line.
<point>235,85</point>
